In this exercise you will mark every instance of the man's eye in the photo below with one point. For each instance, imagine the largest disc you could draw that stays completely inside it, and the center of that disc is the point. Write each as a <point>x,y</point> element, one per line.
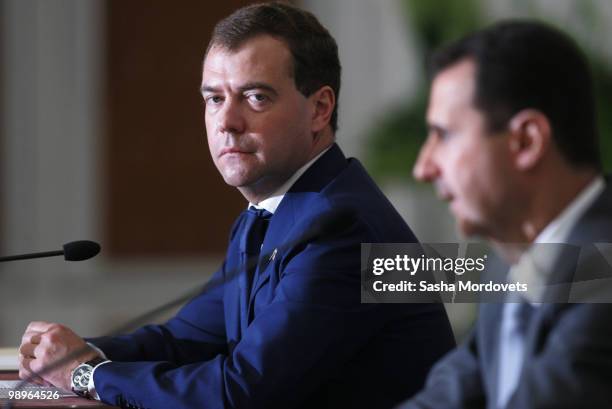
<point>213,100</point>
<point>442,134</point>
<point>257,98</point>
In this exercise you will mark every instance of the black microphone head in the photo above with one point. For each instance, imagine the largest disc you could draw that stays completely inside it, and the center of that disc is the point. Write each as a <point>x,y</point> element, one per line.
<point>80,250</point>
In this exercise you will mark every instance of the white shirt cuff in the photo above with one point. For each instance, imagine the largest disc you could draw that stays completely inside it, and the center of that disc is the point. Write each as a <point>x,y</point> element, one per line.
<point>91,387</point>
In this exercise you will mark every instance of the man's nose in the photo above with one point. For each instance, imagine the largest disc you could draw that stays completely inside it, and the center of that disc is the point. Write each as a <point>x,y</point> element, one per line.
<point>425,169</point>
<point>231,118</point>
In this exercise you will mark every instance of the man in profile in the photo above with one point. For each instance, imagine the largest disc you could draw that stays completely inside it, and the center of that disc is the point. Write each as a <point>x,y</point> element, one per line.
<point>513,148</point>
<point>291,331</point>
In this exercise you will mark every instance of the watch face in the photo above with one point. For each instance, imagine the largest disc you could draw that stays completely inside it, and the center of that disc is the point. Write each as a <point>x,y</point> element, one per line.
<point>80,376</point>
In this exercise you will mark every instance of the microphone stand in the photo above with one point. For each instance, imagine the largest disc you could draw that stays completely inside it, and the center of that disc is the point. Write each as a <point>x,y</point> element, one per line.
<point>32,255</point>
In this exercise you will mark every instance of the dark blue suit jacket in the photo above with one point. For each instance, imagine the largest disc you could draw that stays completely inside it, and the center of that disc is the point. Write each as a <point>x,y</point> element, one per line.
<point>300,337</point>
<point>568,346</point>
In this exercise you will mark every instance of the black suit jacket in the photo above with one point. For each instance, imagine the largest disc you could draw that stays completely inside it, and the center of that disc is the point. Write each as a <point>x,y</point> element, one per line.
<point>568,346</point>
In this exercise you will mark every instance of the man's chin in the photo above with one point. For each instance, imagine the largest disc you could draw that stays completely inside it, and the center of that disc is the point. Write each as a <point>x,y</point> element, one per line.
<point>237,179</point>
<point>246,185</point>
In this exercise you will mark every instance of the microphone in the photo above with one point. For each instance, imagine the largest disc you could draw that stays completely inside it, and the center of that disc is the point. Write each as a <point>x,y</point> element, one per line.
<point>80,250</point>
<point>335,222</point>
<point>73,251</point>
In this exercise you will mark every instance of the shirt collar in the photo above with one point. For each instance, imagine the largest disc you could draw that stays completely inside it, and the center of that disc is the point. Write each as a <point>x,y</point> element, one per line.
<point>534,267</point>
<point>271,203</point>
<point>559,229</point>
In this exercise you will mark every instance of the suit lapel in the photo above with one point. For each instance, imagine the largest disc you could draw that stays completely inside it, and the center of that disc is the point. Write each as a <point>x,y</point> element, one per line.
<point>280,237</point>
<point>238,297</point>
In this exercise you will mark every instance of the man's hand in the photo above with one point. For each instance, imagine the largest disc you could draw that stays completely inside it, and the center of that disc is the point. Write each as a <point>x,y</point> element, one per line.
<point>45,343</point>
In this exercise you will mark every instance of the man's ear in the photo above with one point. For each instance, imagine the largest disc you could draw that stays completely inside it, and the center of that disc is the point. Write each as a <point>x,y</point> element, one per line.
<point>323,104</point>
<point>530,138</point>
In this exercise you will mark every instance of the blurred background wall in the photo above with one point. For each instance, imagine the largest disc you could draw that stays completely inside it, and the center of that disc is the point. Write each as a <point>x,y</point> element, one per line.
<point>102,138</point>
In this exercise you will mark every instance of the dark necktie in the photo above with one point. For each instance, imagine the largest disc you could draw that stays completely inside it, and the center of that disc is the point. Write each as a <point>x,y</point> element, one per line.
<point>252,236</point>
<point>523,314</point>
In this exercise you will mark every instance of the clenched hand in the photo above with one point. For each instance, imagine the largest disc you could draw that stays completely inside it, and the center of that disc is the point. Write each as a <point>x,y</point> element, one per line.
<point>45,343</point>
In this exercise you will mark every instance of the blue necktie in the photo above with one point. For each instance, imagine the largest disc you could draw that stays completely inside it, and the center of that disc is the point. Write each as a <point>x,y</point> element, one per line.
<point>251,238</point>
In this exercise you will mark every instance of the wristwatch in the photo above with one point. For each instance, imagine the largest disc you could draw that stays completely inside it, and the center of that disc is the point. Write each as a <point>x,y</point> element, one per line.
<point>79,378</point>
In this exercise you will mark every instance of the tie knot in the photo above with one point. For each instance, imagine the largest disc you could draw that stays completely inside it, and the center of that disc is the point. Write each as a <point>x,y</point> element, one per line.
<point>261,213</point>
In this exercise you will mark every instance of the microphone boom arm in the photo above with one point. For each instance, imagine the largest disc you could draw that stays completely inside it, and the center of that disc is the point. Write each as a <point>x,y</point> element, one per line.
<point>32,255</point>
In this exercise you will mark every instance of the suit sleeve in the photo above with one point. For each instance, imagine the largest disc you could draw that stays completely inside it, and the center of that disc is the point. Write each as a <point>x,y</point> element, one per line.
<point>455,382</point>
<point>574,367</point>
<point>180,340</point>
<point>314,323</point>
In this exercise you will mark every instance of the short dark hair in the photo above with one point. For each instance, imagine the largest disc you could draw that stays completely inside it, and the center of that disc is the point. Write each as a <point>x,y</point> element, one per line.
<point>314,50</point>
<point>527,64</point>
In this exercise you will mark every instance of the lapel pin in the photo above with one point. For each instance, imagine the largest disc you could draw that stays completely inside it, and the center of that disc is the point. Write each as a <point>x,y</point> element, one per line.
<point>273,256</point>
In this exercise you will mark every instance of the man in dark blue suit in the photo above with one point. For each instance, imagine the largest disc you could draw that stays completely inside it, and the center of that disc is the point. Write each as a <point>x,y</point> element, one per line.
<point>513,148</point>
<point>291,331</point>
